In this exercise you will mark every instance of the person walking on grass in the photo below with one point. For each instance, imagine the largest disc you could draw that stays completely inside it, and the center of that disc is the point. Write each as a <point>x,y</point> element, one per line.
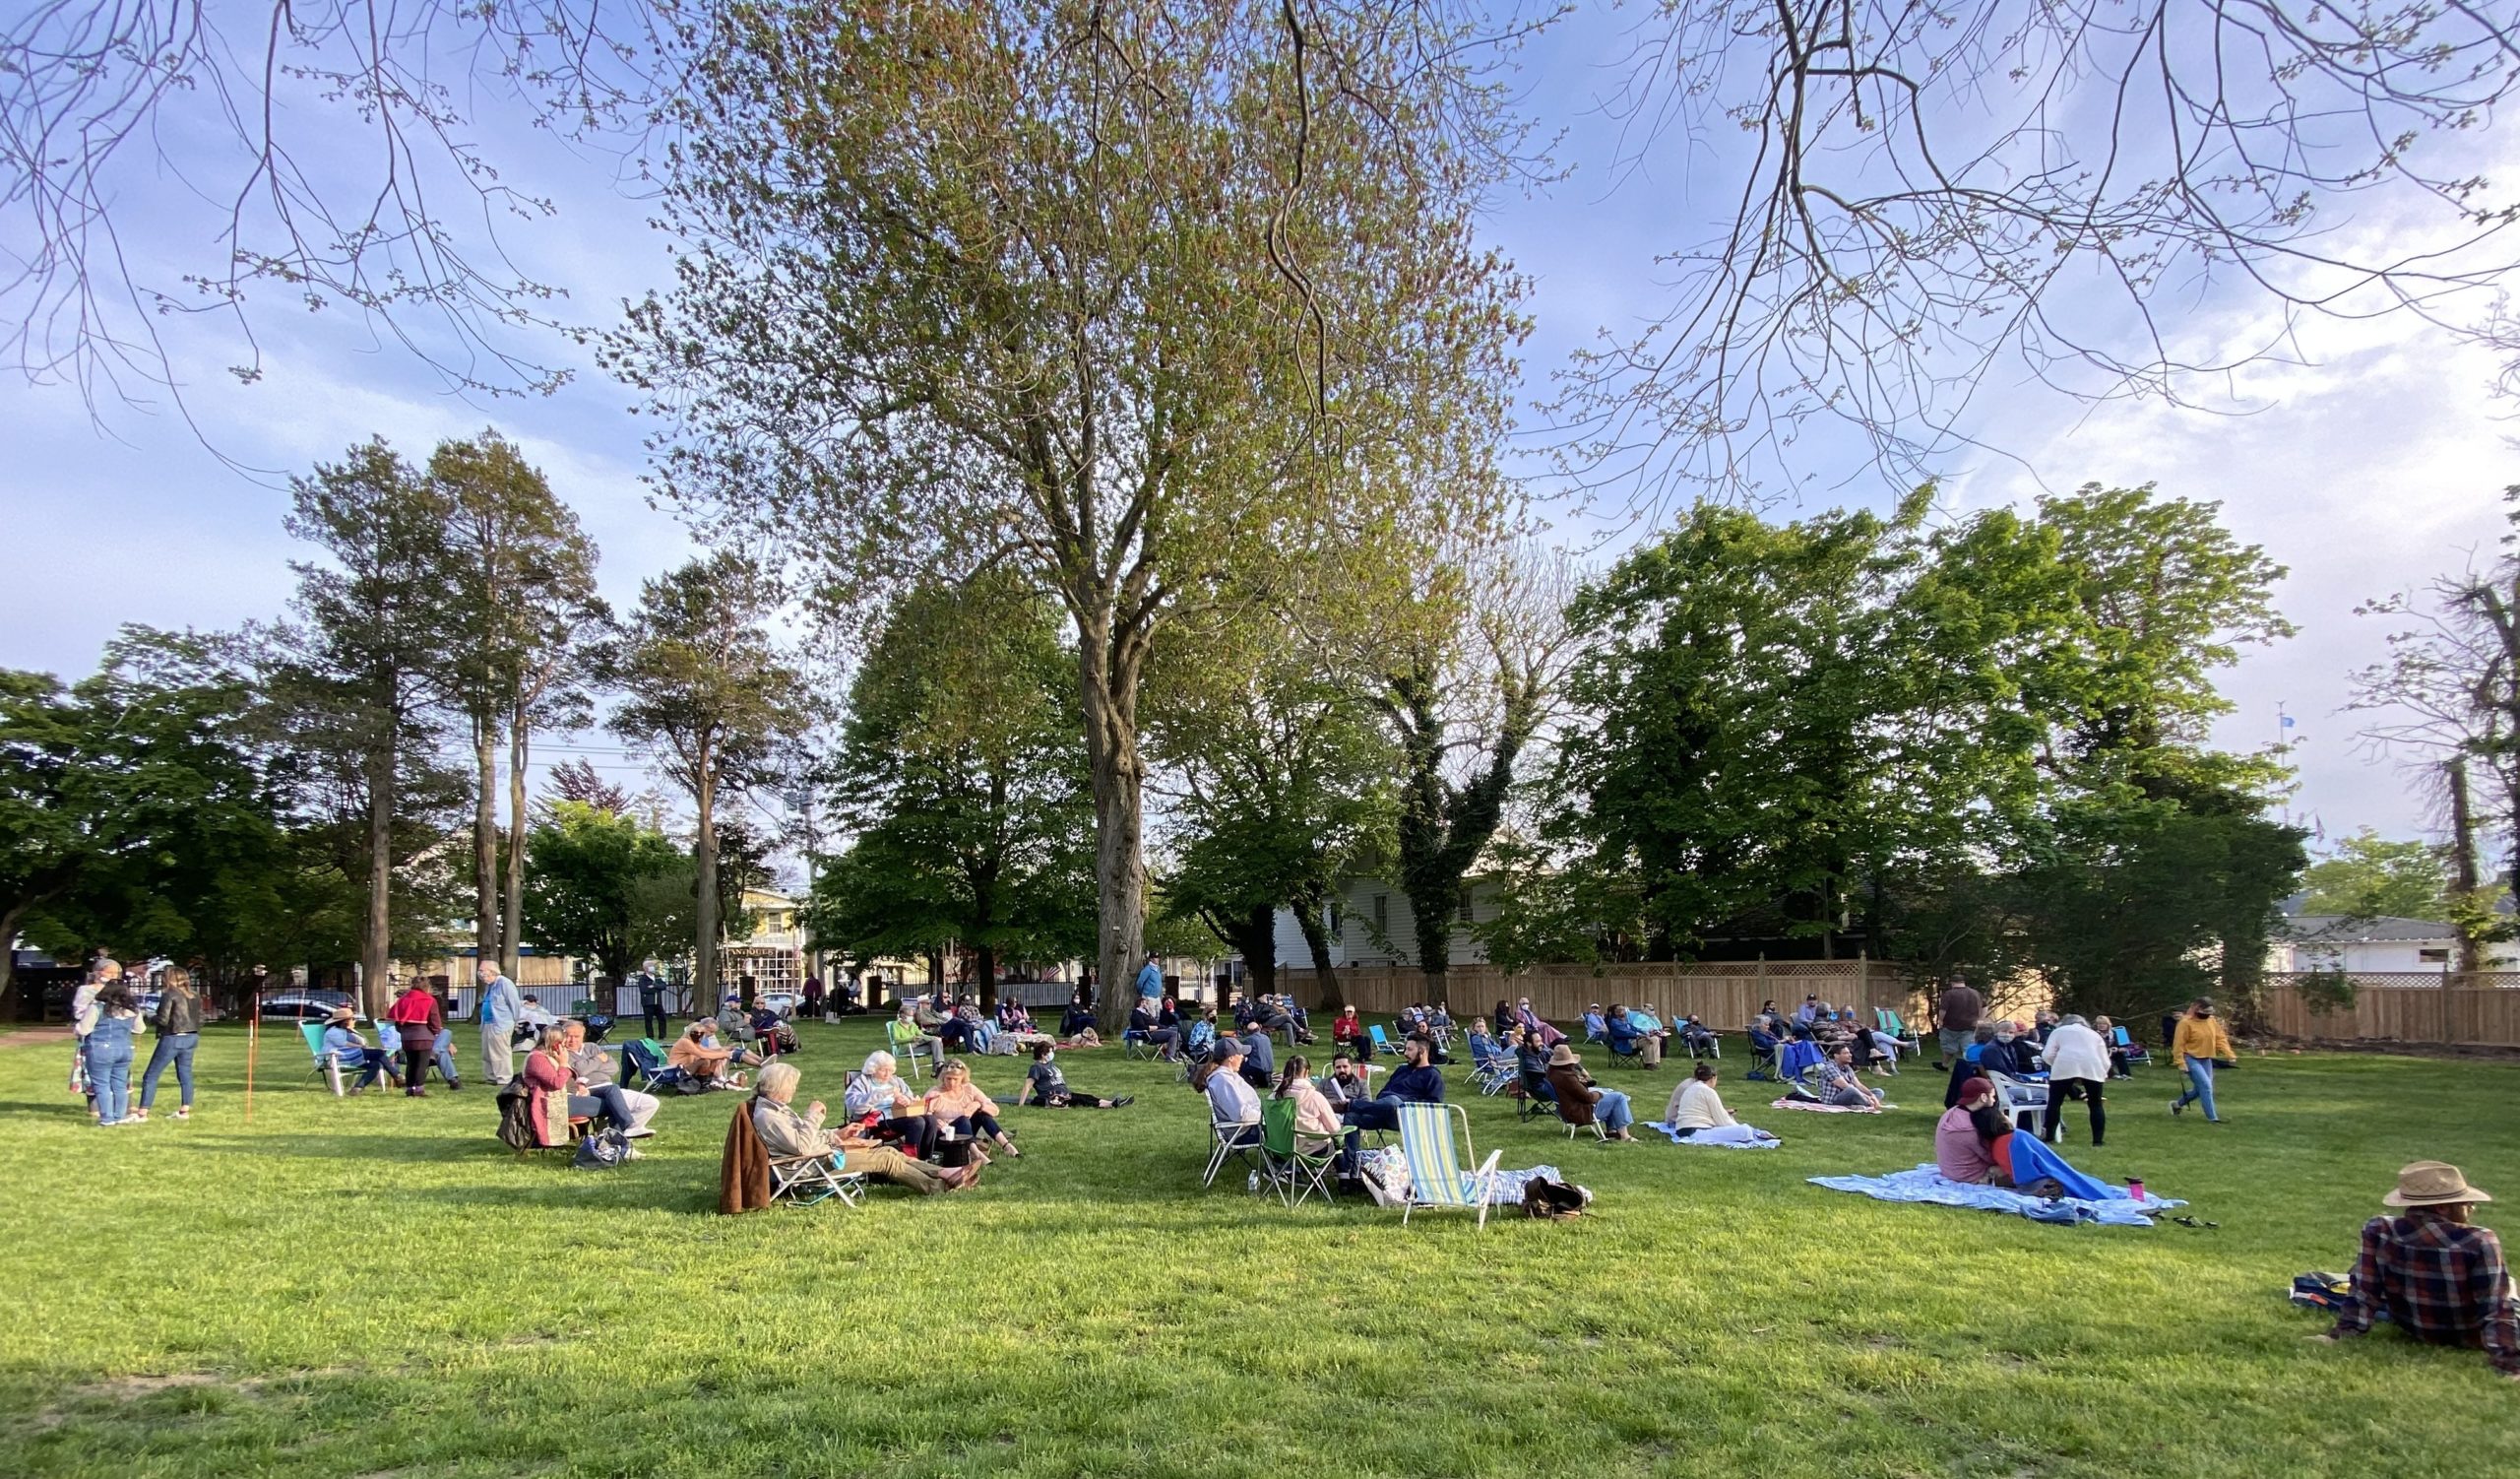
<point>2199,1047</point>
<point>114,1016</point>
<point>177,1025</point>
<point>652,1000</point>
<point>2431,1274</point>
<point>500,1009</point>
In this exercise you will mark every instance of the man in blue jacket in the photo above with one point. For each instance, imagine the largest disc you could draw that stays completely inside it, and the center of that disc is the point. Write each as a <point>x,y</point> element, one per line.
<point>498,1012</point>
<point>1150,980</point>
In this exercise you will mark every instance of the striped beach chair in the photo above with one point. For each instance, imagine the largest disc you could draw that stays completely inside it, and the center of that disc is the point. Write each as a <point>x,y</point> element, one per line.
<point>1437,1150</point>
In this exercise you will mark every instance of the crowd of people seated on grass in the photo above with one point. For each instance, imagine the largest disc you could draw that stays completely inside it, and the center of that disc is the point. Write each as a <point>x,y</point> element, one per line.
<point>788,1133</point>
<point>1568,1083</point>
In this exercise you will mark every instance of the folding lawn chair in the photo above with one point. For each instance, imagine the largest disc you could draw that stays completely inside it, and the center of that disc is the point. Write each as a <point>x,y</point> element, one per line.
<point>1493,1074</point>
<point>1577,1116</point>
<point>1886,1020</point>
<point>1625,1046</point>
<point>804,1180</point>
<point>1296,1171</point>
<point>1798,1066</point>
<point>2136,1052</point>
<point>1227,1138</point>
<point>1537,1097</point>
<point>903,1045</point>
<point>1438,1154</point>
<point>647,1059</point>
<point>1762,1058</point>
<point>313,1032</point>
<point>1381,1044</point>
<point>2021,1099</point>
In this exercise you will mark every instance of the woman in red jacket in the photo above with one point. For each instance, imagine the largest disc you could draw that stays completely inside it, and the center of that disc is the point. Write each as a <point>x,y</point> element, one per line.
<point>419,1018</point>
<point>1349,1030</point>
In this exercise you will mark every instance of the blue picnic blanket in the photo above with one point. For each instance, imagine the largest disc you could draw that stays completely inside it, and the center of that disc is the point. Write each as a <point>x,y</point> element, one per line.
<point>1926,1183</point>
<point>1793,1057</point>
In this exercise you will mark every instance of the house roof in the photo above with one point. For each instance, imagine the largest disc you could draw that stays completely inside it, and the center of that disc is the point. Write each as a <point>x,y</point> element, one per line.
<point>2346,929</point>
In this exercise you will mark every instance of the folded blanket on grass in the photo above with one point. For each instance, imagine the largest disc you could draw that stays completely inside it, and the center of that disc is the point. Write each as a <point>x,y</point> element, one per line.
<point>1828,1109</point>
<point>1728,1135</point>
<point>1926,1183</point>
<point>1508,1190</point>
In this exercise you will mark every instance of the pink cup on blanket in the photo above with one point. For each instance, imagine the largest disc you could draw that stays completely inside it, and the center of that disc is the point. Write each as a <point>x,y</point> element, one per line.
<point>2135,1189</point>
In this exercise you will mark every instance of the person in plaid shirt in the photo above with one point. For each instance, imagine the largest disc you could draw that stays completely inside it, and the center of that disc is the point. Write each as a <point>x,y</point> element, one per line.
<point>2433,1274</point>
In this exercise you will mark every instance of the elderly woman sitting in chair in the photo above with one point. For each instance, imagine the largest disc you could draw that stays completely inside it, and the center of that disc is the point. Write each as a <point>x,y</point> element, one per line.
<point>787,1135</point>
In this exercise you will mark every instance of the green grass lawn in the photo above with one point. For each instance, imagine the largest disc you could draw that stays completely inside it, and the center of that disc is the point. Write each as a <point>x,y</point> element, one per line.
<point>374,1286</point>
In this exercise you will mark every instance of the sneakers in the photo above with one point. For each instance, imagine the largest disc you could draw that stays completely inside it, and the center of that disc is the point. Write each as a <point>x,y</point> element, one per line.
<point>185,1112</point>
<point>2178,1107</point>
<point>1124,1101</point>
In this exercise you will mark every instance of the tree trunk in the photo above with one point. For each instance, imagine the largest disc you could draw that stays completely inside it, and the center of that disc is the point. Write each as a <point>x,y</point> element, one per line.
<point>2464,879</point>
<point>704,851</point>
<point>376,939</point>
<point>9,962</point>
<point>1109,682</point>
<point>486,839</point>
<point>512,935</point>
<point>1259,944</point>
<point>986,962</point>
<point>1316,938</point>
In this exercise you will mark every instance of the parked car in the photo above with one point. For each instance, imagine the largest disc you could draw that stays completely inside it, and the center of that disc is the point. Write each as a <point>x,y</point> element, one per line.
<point>305,1005</point>
<point>785,1003</point>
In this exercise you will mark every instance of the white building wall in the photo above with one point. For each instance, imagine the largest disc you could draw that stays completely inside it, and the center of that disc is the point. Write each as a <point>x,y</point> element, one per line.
<point>1375,927</point>
<point>2391,955</point>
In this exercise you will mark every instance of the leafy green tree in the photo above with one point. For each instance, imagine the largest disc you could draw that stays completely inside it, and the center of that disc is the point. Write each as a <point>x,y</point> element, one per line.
<point>604,885</point>
<point>526,600</point>
<point>1118,297</point>
<point>2368,875</point>
<point>960,769</point>
<point>363,673</point>
<point>705,692</point>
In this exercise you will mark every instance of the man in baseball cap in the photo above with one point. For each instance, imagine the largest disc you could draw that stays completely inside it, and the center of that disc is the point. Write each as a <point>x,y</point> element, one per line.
<point>2438,1278</point>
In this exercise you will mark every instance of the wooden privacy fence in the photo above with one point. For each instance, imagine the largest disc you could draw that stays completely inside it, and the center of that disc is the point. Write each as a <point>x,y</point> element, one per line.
<point>1724,993</point>
<point>2481,1009</point>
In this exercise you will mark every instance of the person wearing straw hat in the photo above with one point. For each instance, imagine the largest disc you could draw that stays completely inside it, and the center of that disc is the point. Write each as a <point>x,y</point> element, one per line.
<point>2433,1274</point>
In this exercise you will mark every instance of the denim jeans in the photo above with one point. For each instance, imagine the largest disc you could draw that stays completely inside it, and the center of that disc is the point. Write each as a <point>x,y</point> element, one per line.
<point>1612,1111</point>
<point>172,1047</point>
<point>442,1049</point>
<point>109,1075</point>
<point>2200,1085</point>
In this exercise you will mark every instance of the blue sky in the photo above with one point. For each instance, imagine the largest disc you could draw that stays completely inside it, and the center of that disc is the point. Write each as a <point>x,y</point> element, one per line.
<point>2371,470</point>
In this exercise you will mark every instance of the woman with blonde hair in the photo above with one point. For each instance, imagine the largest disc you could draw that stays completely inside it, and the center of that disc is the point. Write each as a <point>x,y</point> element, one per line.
<point>957,1104</point>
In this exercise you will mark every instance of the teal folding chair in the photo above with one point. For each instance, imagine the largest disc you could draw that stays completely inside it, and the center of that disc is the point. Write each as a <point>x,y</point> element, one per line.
<point>1382,1045</point>
<point>1438,1154</point>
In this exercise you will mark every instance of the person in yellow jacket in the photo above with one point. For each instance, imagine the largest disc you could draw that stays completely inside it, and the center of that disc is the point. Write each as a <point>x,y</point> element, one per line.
<point>2199,1043</point>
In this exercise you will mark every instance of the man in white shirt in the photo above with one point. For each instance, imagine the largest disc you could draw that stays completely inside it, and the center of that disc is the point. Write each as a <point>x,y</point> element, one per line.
<point>1230,1100</point>
<point>2077,1068</point>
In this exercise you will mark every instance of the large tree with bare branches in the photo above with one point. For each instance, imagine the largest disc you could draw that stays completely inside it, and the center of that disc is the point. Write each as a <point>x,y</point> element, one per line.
<point>1119,294</point>
<point>1910,199</point>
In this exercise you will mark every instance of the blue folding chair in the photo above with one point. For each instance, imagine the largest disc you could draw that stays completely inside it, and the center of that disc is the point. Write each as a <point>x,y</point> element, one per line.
<point>1381,1044</point>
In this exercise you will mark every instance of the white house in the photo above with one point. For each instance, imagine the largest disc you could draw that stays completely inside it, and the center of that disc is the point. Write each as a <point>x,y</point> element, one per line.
<point>1370,923</point>
<point>2386,944</point>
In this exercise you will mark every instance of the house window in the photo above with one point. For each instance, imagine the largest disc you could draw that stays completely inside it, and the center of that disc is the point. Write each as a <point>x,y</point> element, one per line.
<point>1338,920</point>
<point>1382,914</point>
<point>1465,904</point>
<point>2434,957</point>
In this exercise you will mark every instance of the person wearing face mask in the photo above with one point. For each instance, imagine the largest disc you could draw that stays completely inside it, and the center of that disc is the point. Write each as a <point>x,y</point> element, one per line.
<point>2198,1049</point>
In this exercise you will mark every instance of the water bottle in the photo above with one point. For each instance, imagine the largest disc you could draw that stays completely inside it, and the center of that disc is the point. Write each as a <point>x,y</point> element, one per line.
<point>1253,1184</point>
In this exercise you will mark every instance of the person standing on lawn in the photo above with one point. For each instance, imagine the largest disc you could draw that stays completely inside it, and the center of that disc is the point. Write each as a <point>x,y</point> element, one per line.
<point>2077,1068</point>
<point>113,1018</point>
<point>2433,1275</point>
<point>419,1019</point>
<point>651,1002</point>
<point>2199,1047</point>
<point>1956,1014</point>
<point>498,1013</point>
<point>1150,981</point>
<point>177,1025</point>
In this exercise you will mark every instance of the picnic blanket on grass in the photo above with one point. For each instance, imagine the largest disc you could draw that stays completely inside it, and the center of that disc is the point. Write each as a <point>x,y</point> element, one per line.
<point>1817,1107</point>
<point>1705,1137</point>
<point>1926,1183</point>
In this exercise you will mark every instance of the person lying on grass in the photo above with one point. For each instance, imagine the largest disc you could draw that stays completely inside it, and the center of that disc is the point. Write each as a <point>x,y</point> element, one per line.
<point>1697,1113</point>
<point>704,1061</point>
<point>786,1134</point>
<point>1840,1085</point>
<point>1052,1090</point>
<point>2433,1275</point>
<point>1572,1085</point>
<point>957,1105</point>
<point>883,1108</point>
